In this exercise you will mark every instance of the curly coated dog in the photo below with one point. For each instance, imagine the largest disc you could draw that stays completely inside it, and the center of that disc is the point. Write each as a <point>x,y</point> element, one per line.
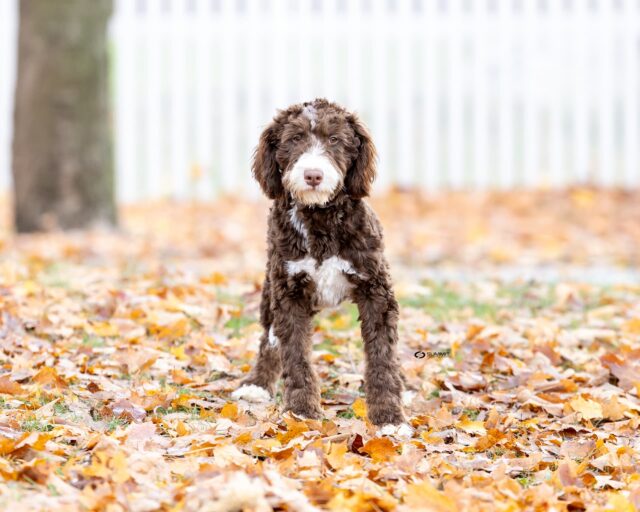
<point>316,161</point>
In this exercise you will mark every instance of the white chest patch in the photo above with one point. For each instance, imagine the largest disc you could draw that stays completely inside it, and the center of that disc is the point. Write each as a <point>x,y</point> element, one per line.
<point>330,278</point>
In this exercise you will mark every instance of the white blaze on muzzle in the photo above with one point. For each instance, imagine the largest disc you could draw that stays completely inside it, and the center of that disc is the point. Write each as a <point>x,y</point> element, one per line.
<point>314,158</point>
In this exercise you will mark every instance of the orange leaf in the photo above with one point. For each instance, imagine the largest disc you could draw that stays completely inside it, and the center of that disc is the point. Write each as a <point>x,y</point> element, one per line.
<point>230,410</point>
<point>380,449</point>
<point>10,387</point>
<point>294,429</point>
<point>419,494</point>
<point>7,445</point>
<point>182,429</point>
<point>173,331</point>
<point>49,376</point>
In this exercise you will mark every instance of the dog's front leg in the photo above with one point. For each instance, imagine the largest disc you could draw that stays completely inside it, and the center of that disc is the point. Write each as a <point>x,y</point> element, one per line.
<point>292,326</point>
<point>379,325</point>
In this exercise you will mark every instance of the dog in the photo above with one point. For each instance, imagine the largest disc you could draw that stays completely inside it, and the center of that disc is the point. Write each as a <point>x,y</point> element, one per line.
<point>317,162</point>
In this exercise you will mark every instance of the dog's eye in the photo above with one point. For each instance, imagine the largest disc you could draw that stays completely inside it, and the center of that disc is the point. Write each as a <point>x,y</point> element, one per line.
<point>297,137</point>
<point>333,139</point>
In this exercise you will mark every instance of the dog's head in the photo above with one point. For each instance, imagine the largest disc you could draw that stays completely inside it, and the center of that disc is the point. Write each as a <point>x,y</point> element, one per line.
<point>313,151</point>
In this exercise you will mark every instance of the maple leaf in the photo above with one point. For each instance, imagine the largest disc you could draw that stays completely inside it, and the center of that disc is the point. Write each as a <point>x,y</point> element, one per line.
<point>10,387</point>
<point>424,496</point>
<point>380,449</point>
<point>588,409</point>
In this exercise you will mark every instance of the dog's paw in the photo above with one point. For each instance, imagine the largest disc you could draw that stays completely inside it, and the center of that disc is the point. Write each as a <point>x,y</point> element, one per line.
<point>401,431</point>
<point>251,393</point>
<point>307,413</point>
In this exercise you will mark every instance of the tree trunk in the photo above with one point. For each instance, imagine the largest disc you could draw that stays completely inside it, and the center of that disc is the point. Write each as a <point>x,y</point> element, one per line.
<point>62,151</point>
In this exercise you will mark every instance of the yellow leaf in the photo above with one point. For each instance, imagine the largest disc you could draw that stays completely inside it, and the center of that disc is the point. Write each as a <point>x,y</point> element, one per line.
<point>455,345</point>
<point>380,449</point>
<point>589,409</point>
<point>182,429</point>
<point>262,447</point>
<point>229,410</point>
<point>103,329</point>
<point>428,437</point>
<point>619,503</point>
<point>120,467</point>
<point>98,465</point>
<point>171,331</point>
<point>360,408</point>
<point>632,326</point>
<point>294,429</point>
<point>472,427</point>
<point>423,494</point>
<point>178,353</point>
<point>341,322</point>
<point>243,438</point>
<point>216,278</point>
<point>336,454</point>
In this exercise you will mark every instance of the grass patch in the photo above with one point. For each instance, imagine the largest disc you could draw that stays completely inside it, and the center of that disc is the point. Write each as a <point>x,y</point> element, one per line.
<point>90,340</point>
<point>60,408</point>
<point>114,423</point>
<point>35,425</point>
<point>445,304</point>
<point>327,345</point>
<point>237,323</point>
<point>347,414</point>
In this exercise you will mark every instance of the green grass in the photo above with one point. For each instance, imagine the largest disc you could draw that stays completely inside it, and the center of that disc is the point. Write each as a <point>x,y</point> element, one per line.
<point>93,341</point>
<point>445,304</point>
<point>114,423</point>
<point>472,414</point>
<point>237,323</point>
<point>327,345</point>
<point>60,408</point>
<point>347,414</point>
<point>525,479</point>
<point>35,425</point>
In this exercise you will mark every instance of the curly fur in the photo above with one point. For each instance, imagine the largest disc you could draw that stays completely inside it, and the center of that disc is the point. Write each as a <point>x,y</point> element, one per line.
<point>319,255</point>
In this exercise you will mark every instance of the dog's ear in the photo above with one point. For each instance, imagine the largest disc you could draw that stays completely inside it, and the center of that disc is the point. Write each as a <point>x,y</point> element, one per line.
<point>363,169</point>
<point>265,167</point>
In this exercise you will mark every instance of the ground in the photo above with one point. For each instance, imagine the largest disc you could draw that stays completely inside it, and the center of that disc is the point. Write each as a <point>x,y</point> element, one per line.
<point>520,340</point>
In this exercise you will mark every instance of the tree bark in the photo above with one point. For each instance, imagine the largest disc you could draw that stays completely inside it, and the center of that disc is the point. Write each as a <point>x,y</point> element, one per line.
<point>62,151</point>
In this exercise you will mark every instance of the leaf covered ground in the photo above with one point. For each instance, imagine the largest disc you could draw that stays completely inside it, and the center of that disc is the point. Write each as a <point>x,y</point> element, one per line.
<point>119,351</point>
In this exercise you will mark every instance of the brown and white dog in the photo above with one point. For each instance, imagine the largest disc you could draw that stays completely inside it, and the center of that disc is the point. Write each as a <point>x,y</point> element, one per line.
<point>317,161</point>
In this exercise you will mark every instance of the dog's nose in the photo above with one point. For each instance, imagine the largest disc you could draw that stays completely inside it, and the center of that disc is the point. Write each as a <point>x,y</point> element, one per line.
<point>313,177</point>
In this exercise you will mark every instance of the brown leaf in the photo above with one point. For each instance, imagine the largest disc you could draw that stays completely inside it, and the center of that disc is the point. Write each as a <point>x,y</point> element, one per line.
<point>123,408</point>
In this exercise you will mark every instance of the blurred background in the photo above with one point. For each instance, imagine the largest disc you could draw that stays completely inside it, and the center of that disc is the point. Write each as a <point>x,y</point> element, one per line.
<point>459,94</point>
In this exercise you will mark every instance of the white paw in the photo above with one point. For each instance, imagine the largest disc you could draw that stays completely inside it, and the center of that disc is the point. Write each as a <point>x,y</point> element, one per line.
<point>251,393</point>
<point>402,431</point>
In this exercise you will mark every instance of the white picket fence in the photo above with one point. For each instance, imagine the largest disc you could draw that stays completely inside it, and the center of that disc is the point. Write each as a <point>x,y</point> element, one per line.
<point>458,93</point>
